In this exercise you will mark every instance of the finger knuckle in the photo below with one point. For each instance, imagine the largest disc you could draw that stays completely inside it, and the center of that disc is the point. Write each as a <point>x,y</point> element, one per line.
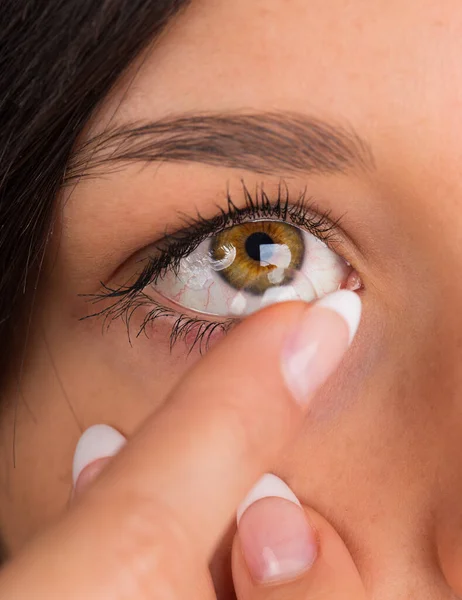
<point>149,545</point>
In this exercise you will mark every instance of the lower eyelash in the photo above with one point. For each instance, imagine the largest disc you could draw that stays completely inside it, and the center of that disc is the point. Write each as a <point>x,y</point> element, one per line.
<point>192,330</point>
<point>197,333</point>
<point>200,330</point>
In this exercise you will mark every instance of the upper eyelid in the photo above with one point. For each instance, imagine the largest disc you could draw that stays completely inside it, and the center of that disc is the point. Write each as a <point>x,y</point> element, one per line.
<point>338,238</point>
<point>179,239</point>
<point>244,217</point>
<point>260,200</point>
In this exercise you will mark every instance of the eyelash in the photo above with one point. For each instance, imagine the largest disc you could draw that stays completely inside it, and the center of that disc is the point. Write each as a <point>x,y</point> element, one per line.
<point>176,246</point>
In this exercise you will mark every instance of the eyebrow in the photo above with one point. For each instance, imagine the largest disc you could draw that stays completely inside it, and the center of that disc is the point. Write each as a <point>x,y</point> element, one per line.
<point>267,143</point>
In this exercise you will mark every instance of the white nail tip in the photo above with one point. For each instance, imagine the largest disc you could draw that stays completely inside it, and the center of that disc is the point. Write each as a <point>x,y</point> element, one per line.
<point>268,486</point>
<point>347,304</point>
<point>98,441</point>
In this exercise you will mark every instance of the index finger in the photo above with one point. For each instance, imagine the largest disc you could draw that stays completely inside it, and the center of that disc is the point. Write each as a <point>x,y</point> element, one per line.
<point>149,524</point>
<point>231,416</point>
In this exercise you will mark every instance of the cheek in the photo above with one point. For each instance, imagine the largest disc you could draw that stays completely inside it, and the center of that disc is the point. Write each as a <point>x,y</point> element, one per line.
<point>449,540</point>
<point>73,377</point>
<point>376,454</point>
<point>119,383</point>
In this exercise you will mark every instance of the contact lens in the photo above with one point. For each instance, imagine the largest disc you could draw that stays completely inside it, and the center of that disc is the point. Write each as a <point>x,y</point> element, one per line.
<point>294,286</point>
<point>264,254</point>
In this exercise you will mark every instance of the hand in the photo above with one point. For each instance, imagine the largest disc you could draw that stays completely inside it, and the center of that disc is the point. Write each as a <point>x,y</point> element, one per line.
<point>149,524</point>
<point>287,552</point>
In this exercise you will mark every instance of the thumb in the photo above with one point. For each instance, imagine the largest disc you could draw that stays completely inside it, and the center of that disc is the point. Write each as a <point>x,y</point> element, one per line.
<point>284,551</point>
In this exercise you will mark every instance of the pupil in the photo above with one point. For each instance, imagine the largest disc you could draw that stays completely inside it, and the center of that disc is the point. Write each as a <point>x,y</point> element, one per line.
<point>253,243</point>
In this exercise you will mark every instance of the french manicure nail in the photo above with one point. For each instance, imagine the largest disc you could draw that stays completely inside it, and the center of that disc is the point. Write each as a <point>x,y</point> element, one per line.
<point>97,442</point>
<point>314,350</point>
<point>277,541</point>
<point>346,304</point>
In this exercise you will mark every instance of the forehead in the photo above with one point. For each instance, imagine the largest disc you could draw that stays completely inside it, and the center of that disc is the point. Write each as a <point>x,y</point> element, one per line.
<point>341,57</point>
<point>387,68</point>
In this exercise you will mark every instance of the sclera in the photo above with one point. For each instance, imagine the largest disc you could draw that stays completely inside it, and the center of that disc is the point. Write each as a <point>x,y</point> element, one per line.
<point>198,284</point>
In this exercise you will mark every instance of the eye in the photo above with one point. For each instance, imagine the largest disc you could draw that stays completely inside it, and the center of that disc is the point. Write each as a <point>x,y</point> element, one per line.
<point>260,250</point>
<point>250,265</point>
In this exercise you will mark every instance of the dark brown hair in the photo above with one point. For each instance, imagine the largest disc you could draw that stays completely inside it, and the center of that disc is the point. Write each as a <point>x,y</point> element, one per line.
<point>58,60</point>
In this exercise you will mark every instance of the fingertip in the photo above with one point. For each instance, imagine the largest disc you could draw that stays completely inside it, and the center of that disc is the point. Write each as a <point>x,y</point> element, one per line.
<point>348,305</point>
<point>97,442</point>
<point>331,572</point>
<point>268,485</point>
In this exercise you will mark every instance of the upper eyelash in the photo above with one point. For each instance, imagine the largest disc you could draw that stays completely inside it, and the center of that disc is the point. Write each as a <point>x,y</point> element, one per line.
<point>173,247</point>
<point>301,212</point>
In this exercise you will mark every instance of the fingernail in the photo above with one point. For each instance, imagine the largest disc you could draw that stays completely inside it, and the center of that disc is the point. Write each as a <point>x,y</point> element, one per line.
<point>313,351</point>
<point>97,442</point>
<point>277,541</point>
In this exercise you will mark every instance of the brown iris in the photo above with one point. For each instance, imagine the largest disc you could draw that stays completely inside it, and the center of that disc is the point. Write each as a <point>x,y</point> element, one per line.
<point>266,254</point>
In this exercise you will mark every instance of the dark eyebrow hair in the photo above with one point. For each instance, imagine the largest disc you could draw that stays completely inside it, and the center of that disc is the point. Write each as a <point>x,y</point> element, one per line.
<point>267,143</point>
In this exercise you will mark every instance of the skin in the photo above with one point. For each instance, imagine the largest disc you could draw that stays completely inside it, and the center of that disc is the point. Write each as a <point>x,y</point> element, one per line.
<point>378,458</point>
<point>149,524</point>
